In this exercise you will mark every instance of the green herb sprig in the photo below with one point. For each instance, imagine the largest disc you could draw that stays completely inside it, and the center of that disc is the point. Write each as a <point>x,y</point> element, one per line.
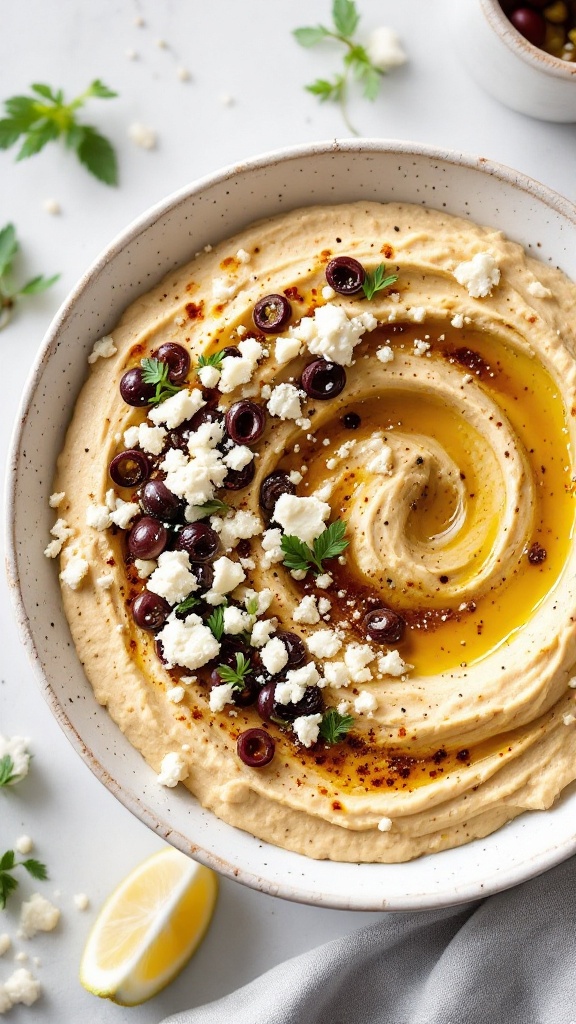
<point>187,605</point>
<point>235,676</point>
<point>45,117</point>
<point>215,622</point>
<point>215,359</point>
<point>376,280</point>
<point>357,63</point>
<point>9,293</point>
<point>330,543</point>
<point>7,774</point>
<point>156,371</point>
<point>211,508</point>
<point>8,864</point>
<point>335,726</point>
<point>252,606</point>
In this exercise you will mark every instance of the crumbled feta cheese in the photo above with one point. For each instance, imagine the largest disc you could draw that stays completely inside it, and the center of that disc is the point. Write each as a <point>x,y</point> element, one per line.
<point>307,729</point>
<point>74,571</point>
<point>194,478</point>
<point>324,643</point>
<point>380,457</point>
<point>173,770</point>
<point>419,314</point>
<point>105,581</point>
<point>421,347</point>
<point>242,256</point>
<point>385,354</point>
<point>21,987</point>
<point>357,657</point>
<point>271,544</point>
<point>324,605</point>
<point>457,320</point>
<point>52,206</point>
<point>384,48</point>
<point>81,901</point>
<point>538,290</point>
<point>220,696</point>
<point>328,292</point>
<point>183,74</point>
<point>301,517</point>
<point>149,439</point>
<point>227,575</point>
<point>98,517</point>
<point>262,630</point>
<point>263,598</point>
<point>324,580</point>
<point>24,844</point>
<point>236,371</point>
<point>103,349</point>
<point>145,567</point>
<point>124,513</point>
<point>56,499</point>
<point>336,674</point>
<point>286,349</point>
<point>238,457</point>
<point>142,136</point>
<point>37,915</point>
<point>295,477</point>
<point>285,402</point>
<point>236,620</point>
<point>385,824</point>
<point>178,408</point>
<point>209,376</point>
<point>176,694</point>
<point>298,574</point>
<point>173,579</point>
<point>391,664</point>
<point>307,611</point>
<point>365,702</point>
<point>479,275</point>
<point>16,748</point>
<point>572,683</point>
<point>332,334</point>
<point>274,656</point>
<point>61,532</point>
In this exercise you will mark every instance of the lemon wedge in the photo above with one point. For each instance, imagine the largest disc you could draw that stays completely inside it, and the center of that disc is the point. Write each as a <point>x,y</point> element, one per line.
<point>149,928</point>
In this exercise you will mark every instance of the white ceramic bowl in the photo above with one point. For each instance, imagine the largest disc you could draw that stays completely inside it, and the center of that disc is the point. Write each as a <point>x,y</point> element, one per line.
<point>166,236</point>
<point>508,67</point>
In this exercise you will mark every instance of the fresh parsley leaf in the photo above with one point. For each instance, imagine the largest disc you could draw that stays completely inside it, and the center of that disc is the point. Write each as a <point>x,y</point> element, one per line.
<point>7,774</point>
<point>330,543</point>
<point>155,371</point>
<point>45,117</point>
<point>187,605</point>
<point>215,621</point>
<point>235,676</point>
<point>345,17</point>
<point>252,606</point>
<point>215,359</point>
<point>211,508</point>
<point>9,293</point>
<point>334,726</point>
<point>8,864</point>
<point>311,35</point>
<point>326,90</point>
<point>377,280</point>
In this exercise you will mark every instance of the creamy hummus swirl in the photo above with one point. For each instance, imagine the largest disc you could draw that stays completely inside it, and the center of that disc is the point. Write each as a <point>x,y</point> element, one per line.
<point>448,455</point>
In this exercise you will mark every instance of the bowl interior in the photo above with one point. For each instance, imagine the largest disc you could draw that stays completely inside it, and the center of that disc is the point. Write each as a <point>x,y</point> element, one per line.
<point>167,236</point>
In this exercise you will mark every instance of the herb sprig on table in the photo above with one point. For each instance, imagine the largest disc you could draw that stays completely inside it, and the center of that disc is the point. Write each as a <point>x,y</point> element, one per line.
<point>299,556</point>
<point>45,117</point>
<point>8,864</point>
<point>9,293</point>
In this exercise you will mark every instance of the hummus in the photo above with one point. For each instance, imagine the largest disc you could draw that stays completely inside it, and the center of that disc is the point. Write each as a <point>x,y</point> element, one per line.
<point>427,693</point>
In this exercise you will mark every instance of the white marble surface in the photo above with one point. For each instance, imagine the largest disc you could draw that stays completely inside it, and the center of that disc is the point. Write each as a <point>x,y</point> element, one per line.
<point>245,96</point>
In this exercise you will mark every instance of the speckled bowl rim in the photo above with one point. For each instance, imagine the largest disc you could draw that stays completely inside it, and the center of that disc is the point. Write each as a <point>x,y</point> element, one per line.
<point>540,59</point>
<point>503,879</point>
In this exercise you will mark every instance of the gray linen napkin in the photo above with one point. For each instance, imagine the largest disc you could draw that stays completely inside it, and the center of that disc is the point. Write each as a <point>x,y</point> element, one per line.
<point>510,959</point>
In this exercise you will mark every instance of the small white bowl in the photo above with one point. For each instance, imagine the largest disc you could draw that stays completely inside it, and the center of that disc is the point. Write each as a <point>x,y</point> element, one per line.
<point>164,237</point>
<point>510,68</point>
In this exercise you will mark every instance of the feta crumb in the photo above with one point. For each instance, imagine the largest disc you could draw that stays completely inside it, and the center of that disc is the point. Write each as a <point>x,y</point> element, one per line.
<point>385,354</point>
<point>242,256</point>
<point>176,694</point>
<point>274,656</point>
<point>332,334</point>
<point>142,135</point>
<point>183,74</point>
<point>385,824</point>
<point>419,314</point>
<point>56,499</point>
<point>124,513</point>
<point>307,611</point>
<point>365,702</point>
<point>81,901</point>
<point>37,915</point>
<point>380,459</point>
<point>98,517</point>
<point>145,567</point>
<point>324,580</point>
<point>384,48</point>
<point>52,206</point>
<point>286,349</point>
<point>307,729</point>
<point>328,292</point>
<point>173,770</point>
<point>149,439</point>
<point>421,347</point>
<point>188,642</point>
<point>74,571</point>
<point>357,657</point>
<point>178,408</point>
<point>261,631</point>
<point>172,579</point>
<point>572,683</point>
<point>220,696</point>
<point>24,844</point>
<point>538,290</point>
<point>16,748</point>
<point>103,349</point>
<point>457,320</point>
<point>324,643</point>
<point>20,987</point>
<point>271,544</point>
<point>336,673</point>
<point>391,664</point>
<point>478,275</point>
<point>238,457</point>
<point>568,719</point>
<point>236,371</point>
<point>61,532</point>
<point>236,620</point>
<point>209,376</point>
<point>285,402</point>
<point>227,575</point>
<point>301,517</point>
